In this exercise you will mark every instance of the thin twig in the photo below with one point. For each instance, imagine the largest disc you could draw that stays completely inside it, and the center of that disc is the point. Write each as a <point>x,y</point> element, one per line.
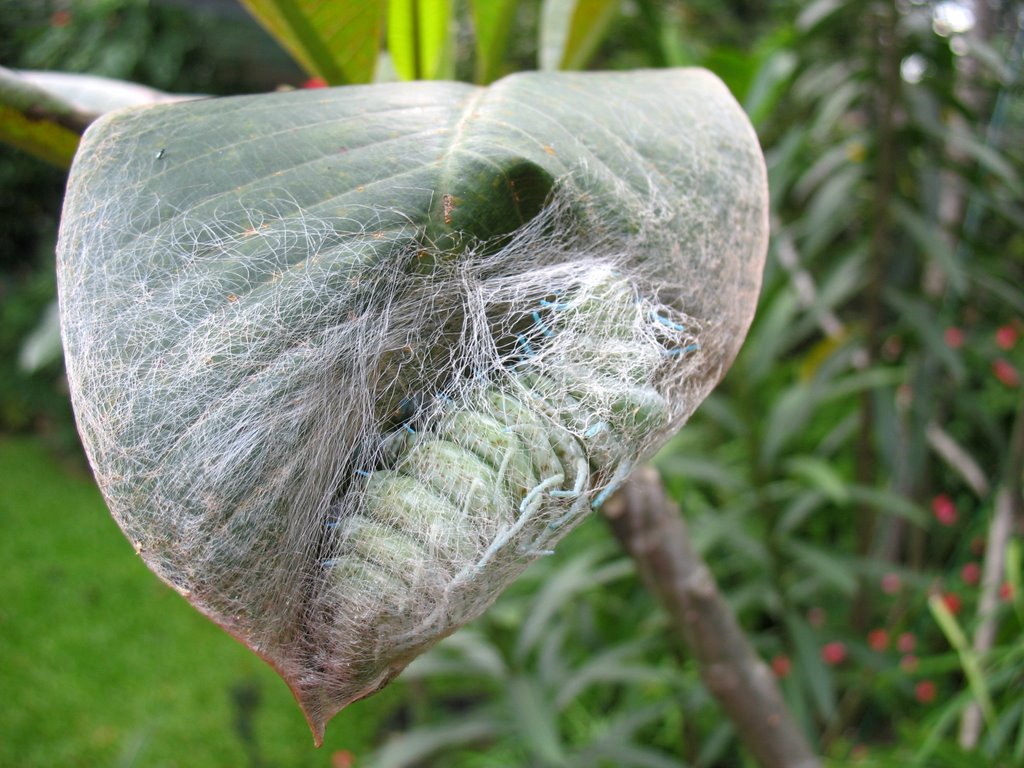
<point>957,458</point>
<point>651,529</point>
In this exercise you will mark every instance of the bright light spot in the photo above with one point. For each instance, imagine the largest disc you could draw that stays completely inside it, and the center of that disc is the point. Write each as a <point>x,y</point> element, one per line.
<point>913,67</point>
<point>959,46</point>
<point>952,18</point>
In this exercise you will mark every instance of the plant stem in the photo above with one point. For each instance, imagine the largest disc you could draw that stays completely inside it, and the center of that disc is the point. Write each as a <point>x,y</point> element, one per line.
<point>884,31</point>
<point>650,528</point>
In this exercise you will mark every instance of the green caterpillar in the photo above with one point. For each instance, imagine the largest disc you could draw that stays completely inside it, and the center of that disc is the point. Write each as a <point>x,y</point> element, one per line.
<point>499,472</point>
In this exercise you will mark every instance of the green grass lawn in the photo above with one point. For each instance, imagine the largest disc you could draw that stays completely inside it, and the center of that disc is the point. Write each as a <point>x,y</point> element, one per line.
<point>103,665</point>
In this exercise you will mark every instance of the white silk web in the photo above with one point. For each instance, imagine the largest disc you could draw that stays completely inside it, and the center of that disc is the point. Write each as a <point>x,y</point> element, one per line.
<point>340,441</point>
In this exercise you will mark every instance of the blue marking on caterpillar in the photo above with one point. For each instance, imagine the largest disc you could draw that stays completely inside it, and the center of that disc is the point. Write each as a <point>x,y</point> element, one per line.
<point>555,305</point>
<point>537,490</point>
<point>613,485</point>
<point>667,322</point>
<point>680,352</point>
<point>540,324</point>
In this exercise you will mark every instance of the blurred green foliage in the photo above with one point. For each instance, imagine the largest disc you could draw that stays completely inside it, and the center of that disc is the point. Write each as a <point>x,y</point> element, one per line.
<point>864,454</point>
<point>98,656</point>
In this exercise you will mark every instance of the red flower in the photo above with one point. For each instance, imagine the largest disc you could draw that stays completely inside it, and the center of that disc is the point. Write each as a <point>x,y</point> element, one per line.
<point>342,759</point>
<point>878,639</point>
<point>906,642</point>
<point>315,82</point>
<point>970,574</point>
<point>954,338</point>
<point>953,602</point>
<point>944,509</point>
<point>1006,337</point>
<point>924,691</point>
<point>891,583</point>
<point>781,666</point>
<point>833,653</point>
<point>1005,372</point>
<point>1006,591</point>
<point>60,18</point>
<point>908,663</point>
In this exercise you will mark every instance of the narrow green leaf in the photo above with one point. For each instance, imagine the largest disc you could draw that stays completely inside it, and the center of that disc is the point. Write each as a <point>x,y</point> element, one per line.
<point>492,21</point>
<point>703,469</point>
<point>925,321</point>
<point>888,503</point>
<point>337,41</point>
<point>1010,718</point>
<point>833,105</point>
<point>816,12</point>
<point>42,346</point>
<point>614,742</point>
<point>420,39</point>
<point>616,664</point>
<point>577,576</point>
<point>570,31</point>
<point>414,746</point>
<point>1014,571</point>
<point>537,722</point>
<point>464,653</point>
<point>928,237</point>
<point>769,84</point>
<point>804,504</point>
<point>792,411</point>
<point>818,473</point>
<point>831,210</point>
<point>1001,289</point>
<point>988,158</point>
<point>825,565</point>
<point>815,675</point>
<point>1018,751</point>
<point>771,335</point>
<point>968,658</point>
<point>717,743</point>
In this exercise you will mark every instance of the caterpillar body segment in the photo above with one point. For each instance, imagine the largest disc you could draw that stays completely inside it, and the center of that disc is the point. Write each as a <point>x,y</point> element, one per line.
<point>494,443</point>
<point>404,502</point>
<point>498,469</point>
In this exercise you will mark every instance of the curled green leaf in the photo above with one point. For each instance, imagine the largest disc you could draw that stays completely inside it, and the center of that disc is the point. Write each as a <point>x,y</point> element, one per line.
<point>346,361</point>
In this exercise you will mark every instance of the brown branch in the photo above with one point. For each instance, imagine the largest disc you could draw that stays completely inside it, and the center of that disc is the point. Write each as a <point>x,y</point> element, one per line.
<point>651,529</point>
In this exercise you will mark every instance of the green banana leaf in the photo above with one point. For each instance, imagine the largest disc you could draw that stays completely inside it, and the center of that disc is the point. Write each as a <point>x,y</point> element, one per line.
<point>571,30</point>
<point>336,41</point>
<point>217,259</point>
